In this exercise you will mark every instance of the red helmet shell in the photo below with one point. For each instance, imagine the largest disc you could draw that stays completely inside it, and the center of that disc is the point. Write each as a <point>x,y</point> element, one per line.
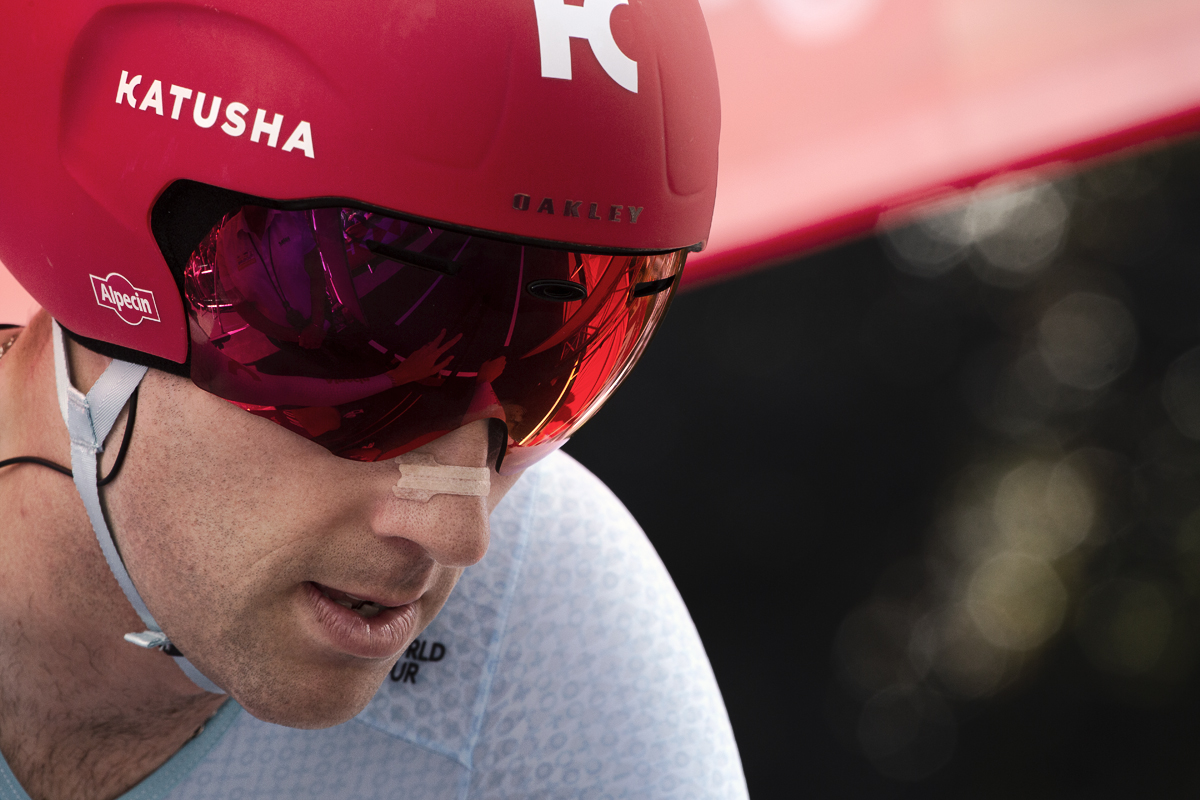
<point>592,124</point>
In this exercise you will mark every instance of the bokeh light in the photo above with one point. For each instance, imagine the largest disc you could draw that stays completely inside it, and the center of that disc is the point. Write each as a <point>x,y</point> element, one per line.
<point>1125,625</point>
<point>1181,393</point>
<point>1025,546</point>
<point>1007,234</point>
<point>1044,510</point>
<point>1087,340</point>
<point>941,520</point>
<point>1017,601</point>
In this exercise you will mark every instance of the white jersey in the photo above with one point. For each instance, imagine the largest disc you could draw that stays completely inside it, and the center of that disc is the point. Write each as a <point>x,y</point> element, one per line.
<point>564,665</point>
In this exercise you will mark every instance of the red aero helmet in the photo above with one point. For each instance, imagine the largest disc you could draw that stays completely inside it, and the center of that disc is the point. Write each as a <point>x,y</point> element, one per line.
<point>593,124</point>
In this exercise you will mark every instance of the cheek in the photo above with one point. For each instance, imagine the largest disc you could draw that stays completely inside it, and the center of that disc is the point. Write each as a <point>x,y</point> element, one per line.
<point>199,508</point>
<point>221,516</point>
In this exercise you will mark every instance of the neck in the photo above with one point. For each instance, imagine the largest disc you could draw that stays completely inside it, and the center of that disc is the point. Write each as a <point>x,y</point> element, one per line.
<point>83,714</point>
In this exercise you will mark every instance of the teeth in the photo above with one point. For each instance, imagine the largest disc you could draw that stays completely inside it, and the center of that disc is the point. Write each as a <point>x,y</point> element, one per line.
<point>364,608</point>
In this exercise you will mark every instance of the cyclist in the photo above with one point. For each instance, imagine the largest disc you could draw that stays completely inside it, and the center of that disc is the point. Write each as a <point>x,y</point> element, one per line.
<point>325,288</point>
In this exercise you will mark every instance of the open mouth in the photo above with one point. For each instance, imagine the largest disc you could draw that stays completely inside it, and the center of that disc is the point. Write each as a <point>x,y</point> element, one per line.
<point>364,608</point>
<point>364,627</point>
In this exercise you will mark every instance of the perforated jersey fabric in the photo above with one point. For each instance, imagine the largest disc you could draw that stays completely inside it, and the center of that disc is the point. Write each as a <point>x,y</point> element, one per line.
<point>564,665</point>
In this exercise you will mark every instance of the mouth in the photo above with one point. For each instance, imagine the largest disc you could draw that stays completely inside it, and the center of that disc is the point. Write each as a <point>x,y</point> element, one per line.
<point>361,606</point>
<point>366,627</point>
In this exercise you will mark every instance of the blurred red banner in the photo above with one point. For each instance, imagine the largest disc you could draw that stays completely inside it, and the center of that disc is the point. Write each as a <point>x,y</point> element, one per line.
<point>836,111</point>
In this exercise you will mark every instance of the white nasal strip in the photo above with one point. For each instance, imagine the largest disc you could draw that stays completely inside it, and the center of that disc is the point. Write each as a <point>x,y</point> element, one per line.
<point>421,477</point>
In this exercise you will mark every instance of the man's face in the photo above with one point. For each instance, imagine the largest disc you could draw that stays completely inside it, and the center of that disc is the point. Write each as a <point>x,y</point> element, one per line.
<point>238,533</point>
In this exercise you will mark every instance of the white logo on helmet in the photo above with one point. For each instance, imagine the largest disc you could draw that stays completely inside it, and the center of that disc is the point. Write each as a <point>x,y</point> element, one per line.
<point>235,113</point>
<point>131,303</point>
<point>558,23</point>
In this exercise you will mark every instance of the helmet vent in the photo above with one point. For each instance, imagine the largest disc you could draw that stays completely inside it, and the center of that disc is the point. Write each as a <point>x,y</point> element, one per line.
<point>647,288</point>
<point>557,291</point>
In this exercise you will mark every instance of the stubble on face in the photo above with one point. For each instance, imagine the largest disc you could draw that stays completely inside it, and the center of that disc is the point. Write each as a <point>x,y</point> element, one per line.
<point>223,518</point>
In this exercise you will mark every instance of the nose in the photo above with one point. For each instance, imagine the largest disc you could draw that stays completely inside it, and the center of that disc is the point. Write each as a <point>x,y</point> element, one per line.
<point>451,529</point>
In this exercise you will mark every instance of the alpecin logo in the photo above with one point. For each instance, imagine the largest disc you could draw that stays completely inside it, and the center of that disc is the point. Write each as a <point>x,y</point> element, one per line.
<point>131,303</point>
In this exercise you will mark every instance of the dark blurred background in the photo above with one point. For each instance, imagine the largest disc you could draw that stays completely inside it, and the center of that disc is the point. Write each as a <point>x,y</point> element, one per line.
<point>933,497</point>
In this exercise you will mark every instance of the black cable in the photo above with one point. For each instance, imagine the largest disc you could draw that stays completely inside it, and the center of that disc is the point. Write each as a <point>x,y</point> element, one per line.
<point>116,467</point>
<point>125,441</point>
<point>169,649</point>
<point>39,461</point>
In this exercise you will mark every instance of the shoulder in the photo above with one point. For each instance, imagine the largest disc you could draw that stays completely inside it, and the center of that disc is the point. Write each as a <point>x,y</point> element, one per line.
<point>601,680</point>
<point>561,507</point>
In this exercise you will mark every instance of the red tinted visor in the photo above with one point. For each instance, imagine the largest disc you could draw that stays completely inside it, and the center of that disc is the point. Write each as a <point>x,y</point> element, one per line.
<point>372,335</point>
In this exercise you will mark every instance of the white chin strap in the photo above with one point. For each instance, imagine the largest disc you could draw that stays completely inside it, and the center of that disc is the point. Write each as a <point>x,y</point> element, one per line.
<point>89,419</point>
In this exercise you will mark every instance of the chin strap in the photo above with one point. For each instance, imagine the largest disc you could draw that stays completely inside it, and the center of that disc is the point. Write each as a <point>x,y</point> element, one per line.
<point>89,419</point>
